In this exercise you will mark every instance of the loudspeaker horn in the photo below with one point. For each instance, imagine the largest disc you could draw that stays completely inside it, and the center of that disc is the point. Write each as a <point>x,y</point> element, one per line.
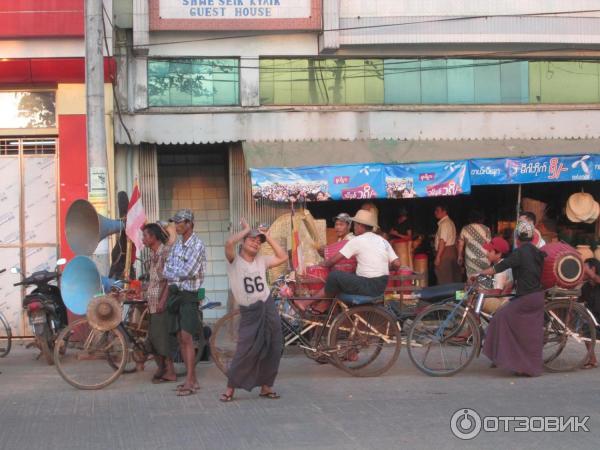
<point>80,282</point>
<point>85,227</point>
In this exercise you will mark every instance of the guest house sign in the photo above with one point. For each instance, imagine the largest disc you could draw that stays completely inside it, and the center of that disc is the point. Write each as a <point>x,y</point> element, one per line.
<point>235,14</point>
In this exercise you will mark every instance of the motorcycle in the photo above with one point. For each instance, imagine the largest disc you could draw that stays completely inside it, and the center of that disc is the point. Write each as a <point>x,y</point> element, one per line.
<point>45,308</point>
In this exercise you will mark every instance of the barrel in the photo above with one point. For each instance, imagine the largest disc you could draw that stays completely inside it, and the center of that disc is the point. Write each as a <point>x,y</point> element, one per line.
<point>563,266</point>
<point>420,264</point>
<point>316,277</point>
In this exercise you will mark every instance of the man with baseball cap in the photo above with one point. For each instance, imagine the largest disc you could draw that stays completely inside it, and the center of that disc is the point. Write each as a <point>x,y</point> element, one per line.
<point>503,282</point>
<point>514,338</point>
<point>374,256</point>
<point>184,271</point>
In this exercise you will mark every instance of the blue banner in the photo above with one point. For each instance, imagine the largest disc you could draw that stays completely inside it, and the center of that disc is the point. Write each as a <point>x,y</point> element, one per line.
<point>319,183</point>
<point>361,181</point>
<point>536,169</point>
<point>436,179</point>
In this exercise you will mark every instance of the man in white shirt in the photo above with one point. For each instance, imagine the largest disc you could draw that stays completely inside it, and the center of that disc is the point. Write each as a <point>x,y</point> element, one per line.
<point>446,254</point>
<point>374,256</point>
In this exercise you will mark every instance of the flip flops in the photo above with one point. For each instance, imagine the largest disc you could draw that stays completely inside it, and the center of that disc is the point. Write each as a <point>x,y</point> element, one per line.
<point>270,395</point>
<point>185,392</point>
<point>226,398</point>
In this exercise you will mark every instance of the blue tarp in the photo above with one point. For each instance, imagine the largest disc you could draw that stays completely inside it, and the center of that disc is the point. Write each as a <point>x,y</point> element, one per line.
<point>427,179</point>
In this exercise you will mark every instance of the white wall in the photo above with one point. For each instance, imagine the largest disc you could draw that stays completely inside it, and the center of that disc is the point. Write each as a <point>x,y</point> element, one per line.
<point>383,8</point>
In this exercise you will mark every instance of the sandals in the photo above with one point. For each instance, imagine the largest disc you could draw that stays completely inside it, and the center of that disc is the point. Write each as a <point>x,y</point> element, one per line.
<point>271,395</point>
<point>160,380</point>
<point>590,365</point>
<point>226,398</point>
<point>185,392</point>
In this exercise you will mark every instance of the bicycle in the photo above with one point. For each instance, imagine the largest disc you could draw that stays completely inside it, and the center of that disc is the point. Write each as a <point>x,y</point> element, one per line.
<point>5,333</point>
<point>91,359</point>
<point>445,338</point>
<point>356,334</point>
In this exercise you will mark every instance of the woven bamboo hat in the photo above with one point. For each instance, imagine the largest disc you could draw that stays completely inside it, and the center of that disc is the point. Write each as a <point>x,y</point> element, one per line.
<point>581,205</point>
<point>595,213</point>
<point>104,313</point>
<point>365,217</point>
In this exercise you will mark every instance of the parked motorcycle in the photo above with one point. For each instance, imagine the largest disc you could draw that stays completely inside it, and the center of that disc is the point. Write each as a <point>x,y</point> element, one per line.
<point>45,308</point>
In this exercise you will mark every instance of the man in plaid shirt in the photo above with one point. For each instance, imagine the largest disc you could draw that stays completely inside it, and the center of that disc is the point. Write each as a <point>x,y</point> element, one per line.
<point>184,271</point>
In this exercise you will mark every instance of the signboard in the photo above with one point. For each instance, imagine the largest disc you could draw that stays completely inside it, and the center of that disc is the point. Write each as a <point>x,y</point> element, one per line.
<point>436,179</point>
<point>235,14</point>
<point>536,169</point>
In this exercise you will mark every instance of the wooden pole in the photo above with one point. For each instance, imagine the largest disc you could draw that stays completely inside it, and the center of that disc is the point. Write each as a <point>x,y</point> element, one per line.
<point>127,272</point>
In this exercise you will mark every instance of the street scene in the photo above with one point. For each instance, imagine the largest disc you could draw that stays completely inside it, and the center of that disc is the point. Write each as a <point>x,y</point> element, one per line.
<point>291,224</point>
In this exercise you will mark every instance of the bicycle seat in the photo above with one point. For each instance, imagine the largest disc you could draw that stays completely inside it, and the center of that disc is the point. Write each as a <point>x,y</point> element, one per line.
<point>437,293</point>
<point>355,299</point>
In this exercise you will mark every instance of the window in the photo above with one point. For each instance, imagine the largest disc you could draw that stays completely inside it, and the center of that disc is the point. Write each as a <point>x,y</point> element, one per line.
<point>193,82</point>
<point>22,109</point>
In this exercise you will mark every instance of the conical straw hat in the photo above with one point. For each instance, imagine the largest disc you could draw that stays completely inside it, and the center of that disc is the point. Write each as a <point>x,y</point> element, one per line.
<point>582,205</point>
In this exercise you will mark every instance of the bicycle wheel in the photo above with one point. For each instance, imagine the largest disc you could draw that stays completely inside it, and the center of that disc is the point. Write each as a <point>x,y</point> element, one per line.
<point>223,340</point>
<point>81,354</point>
<point>364,341</point>
<point>440,343</point>
<point>569,336</point>
<point>5,336</point>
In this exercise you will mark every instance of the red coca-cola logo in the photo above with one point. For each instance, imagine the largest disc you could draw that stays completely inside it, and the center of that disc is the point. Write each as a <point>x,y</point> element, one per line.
<point>359,193</point>
<point>341,180</point>
<point>448,188</point>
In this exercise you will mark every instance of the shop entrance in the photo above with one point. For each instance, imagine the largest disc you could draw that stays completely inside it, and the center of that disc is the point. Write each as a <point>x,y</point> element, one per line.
<point>28,215</point>
<point>196,177</point>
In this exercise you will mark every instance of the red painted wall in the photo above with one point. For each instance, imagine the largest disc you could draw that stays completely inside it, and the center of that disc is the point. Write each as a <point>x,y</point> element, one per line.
<point>49,70</point>
<point>72,169</point>
<point>41,18</point>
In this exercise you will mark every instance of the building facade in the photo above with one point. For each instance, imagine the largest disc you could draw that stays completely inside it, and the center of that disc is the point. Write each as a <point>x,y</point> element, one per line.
<point>214,88</point>
<point>43,162</point>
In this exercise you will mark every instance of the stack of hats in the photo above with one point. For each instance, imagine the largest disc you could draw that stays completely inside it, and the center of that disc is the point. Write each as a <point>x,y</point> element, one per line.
<point>582,207</point>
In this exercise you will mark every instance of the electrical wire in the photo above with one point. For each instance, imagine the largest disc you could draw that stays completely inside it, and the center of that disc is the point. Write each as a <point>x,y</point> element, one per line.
<point>366,27</point>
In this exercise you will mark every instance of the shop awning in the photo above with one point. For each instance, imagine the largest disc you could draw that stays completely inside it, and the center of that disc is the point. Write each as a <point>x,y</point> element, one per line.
<point>333,152</point>
<point>337,178</point>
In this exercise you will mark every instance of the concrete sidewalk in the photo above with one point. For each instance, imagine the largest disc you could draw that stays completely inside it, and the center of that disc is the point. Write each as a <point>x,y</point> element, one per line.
<point>321,408</point>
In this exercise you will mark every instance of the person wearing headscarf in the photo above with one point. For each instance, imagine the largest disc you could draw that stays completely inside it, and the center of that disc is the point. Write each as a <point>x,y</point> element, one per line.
<point>515,336</point>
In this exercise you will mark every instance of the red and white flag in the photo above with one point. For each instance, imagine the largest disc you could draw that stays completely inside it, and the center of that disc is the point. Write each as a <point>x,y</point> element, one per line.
<point>136,218</point>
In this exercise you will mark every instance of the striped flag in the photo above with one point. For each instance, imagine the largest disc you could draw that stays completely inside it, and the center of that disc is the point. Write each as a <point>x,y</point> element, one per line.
<point>136,218</point>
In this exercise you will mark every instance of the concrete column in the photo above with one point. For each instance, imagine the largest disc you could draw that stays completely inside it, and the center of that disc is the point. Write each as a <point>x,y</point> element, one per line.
<point>249,81</point>
<point>329,41</point>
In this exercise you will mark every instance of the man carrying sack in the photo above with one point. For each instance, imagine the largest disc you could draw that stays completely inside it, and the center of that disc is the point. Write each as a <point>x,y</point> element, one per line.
<point>184,271</point>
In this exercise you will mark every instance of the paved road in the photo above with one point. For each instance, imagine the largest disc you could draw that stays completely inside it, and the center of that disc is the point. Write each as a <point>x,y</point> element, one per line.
<point>321,408</point>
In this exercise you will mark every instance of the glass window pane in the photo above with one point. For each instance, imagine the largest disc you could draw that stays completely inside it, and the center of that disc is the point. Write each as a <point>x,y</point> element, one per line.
<point>487,81</point>
<point>193,82</point>
<point>434,82</point>
<point>569,82</point>
<point>374,81</point>
<point>266,82</point>
<point>514,82</point>
<point>461,81</point>
<point>402,81</point>
<point>10,194</point>
<point>28,109</point>
<point>355,81</point>
<point>40,200</point>
<point>300,87</point>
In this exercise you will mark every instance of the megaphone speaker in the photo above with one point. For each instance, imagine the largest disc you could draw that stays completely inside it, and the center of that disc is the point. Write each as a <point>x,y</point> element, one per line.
<point>80,282</point>
<point>85,227</point>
